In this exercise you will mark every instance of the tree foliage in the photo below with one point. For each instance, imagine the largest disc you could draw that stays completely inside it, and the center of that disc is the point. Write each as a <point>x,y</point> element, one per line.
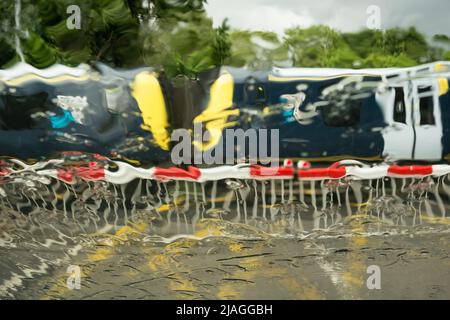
<point>256,50</point>
<point>178,37</point>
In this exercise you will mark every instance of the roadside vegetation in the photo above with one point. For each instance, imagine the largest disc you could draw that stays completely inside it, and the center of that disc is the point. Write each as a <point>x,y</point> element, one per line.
<point>178,37</point>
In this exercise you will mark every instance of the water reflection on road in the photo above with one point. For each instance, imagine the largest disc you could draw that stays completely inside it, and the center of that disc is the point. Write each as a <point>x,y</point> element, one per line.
<point>226,239</point>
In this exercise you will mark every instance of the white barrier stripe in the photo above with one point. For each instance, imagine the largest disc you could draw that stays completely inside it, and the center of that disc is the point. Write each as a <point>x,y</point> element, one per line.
<point>224,172</point>
<point>126,172</point>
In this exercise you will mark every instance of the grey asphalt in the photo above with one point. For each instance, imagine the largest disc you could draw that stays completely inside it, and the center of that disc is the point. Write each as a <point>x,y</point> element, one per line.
<point>411,267</point>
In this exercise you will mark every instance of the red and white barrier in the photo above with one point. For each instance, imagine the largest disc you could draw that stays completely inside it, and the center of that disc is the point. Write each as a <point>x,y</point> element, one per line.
<point>356,170</point>
<point>349,169</point>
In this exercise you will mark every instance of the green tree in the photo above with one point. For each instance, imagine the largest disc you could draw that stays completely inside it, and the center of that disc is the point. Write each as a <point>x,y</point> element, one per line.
<point>447,56</point>
<point>108,32</point>
<point>178,38</point>
<point>319,46</point>
<point>186,44</point>
<point>364,42</point>
<point>174,35</point>
<point>257,50</point>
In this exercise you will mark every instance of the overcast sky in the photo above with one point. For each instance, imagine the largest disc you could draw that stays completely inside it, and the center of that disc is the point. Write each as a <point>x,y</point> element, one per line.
<point>429,16</point>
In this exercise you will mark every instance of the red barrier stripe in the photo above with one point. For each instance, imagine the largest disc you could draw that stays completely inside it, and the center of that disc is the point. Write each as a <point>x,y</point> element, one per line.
<point>69,174</point>
<point>334,173</point>
<point>90,173</point>
<point>260,171</point>
<point>64,175</point>
<point>4,172</point>
<point>192,173</point>
<point>410,170</point>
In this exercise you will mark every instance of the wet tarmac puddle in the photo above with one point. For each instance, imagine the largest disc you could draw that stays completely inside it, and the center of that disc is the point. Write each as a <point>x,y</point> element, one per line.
<point>225,240</point>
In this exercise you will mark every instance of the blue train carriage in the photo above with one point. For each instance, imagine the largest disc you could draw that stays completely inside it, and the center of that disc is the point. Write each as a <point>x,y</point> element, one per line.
<point>321,114</point>
<point>325,115</point>
<point>94,109</point>
<point>124,114</point>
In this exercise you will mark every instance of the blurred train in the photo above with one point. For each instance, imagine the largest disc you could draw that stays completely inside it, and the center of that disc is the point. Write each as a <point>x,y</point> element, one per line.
<point>323,115</point>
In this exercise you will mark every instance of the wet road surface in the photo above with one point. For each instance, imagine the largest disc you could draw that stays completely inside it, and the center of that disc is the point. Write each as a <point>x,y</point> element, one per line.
<point>412,267</point>
<point>190,245</point>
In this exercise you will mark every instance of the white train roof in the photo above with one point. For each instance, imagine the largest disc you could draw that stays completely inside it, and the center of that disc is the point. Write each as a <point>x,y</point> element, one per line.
<point>21,69</point>
<point>338,72</point>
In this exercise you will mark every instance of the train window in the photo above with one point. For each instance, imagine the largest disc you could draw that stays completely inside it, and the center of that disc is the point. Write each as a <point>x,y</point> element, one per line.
<point>426,105</point>
<point>255,93</point>
<point>399,106</point>
<point>342,116</point>
<point>22,112</point>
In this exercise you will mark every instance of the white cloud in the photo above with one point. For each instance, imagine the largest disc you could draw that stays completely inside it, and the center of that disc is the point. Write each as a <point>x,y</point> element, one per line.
<point>429,16</point>
<point>247,15</point>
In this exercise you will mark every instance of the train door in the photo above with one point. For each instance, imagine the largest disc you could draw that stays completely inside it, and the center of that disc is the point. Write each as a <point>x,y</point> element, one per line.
<point>427,120</point>
<point>398,135</point>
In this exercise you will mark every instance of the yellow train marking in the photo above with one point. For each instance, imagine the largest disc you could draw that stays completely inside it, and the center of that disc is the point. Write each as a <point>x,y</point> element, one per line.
<point>217,112</point>
<point>150,99</point>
